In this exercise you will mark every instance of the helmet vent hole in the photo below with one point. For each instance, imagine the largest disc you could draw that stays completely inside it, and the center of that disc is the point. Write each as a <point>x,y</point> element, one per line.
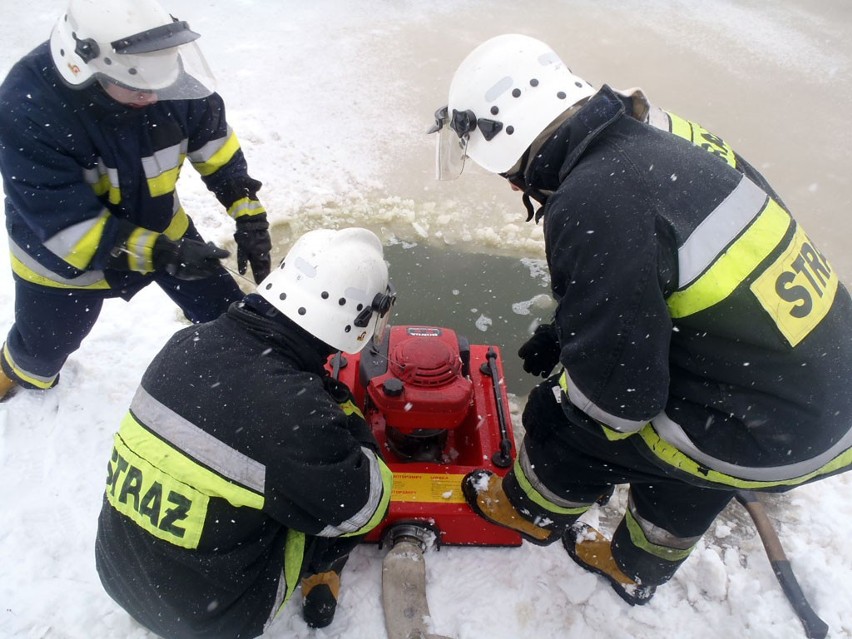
<point>516,93</point>
<point>495,110</point>
<point>269,286</point>
<point>347,329</point>
<point>534,82</point>
<point>107,61</point>
<point>359,307</point>
<point>342,301</point>
<point>324,295</point>
<point>132,71</point>
<point>579,85</point>
<point>302,310</point>
<point>510,130</point>
<point>282,297</point>
<point>62,52</point>
<point>561,95</point>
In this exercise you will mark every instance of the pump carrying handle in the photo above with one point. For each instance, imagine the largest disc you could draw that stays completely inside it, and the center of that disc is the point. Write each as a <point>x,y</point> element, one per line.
<point>503,457</point>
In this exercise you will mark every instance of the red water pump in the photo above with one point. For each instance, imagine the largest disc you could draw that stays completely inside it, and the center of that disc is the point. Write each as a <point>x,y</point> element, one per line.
<point>438,407</point>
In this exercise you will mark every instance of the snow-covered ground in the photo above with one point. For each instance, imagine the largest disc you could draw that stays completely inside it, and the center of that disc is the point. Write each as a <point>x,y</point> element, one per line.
<point>331,100</point>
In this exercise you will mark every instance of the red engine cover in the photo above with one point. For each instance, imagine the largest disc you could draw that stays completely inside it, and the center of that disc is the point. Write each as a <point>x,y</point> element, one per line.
<point>424,387</point>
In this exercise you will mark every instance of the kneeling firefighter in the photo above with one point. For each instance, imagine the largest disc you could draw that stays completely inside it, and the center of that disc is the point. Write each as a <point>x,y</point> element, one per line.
<point>705,343</point>
<point>242,467</point>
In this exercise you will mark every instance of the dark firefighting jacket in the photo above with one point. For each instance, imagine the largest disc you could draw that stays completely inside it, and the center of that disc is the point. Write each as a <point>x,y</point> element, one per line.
<point>232,456</point>
<point>83,173</point>
<point>694,314</point>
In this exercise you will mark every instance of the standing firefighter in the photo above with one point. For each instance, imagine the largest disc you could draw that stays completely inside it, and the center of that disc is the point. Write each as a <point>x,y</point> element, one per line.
<point>241,464</point>
<point>705,343</point>
<point>94,128</point>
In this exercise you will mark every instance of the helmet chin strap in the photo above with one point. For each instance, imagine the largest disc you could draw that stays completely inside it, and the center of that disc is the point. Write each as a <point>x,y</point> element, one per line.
<point>538,196</point>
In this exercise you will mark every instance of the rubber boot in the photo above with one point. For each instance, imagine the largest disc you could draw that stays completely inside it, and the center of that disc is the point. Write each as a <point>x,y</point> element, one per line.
<point>591,550</point>
<point>319,598</point>
<point>6,384</point>
<point>483,491</point>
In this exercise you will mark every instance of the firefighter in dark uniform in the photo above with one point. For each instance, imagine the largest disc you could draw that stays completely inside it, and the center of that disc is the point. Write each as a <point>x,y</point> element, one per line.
<point>705,342</point>
<point>242,465</point>
<point>94,128</point>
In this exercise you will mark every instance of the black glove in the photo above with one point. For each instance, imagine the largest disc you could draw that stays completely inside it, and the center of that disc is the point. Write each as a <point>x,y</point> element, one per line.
<point>187,259</point>
<point>541,351</point>
<point>355,423</point>
<point>253,246</point>
<point>338,390</point>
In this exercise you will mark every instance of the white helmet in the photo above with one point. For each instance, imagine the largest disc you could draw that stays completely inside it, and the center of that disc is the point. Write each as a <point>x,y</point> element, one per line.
<point>334,284</point>
<point>133,43</point>
<point>502,96</point>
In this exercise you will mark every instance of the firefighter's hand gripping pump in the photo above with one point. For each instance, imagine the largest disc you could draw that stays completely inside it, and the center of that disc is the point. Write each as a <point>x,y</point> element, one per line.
<point>438,407</point>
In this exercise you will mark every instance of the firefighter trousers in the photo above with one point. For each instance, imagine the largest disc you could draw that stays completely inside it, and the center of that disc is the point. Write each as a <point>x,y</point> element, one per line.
<point>50,324</point>
<point>665,517</point>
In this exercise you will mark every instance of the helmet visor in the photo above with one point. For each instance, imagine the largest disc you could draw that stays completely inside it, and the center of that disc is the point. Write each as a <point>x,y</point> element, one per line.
<point>178,73</point>
<point>450,147</point>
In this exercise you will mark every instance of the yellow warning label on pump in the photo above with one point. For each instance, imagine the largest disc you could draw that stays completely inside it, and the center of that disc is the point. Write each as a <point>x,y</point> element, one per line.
<point>427,487</point>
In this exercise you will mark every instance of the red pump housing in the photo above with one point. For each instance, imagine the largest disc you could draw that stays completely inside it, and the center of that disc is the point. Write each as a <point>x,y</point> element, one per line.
<point>438,407</point>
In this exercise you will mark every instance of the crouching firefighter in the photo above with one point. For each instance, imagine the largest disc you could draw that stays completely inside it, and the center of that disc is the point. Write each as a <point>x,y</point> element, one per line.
<point>705,343</point>
<point>242,467</point>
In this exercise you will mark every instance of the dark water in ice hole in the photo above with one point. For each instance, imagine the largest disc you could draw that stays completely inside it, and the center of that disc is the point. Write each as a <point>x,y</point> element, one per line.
<point>482,297</point>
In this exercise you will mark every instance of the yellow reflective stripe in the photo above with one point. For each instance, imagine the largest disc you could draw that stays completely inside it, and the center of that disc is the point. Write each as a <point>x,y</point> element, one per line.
<point>220,158</point>
<point>350,408</point>
<point>539,499</point>
<point>674,457</point>
<point>80,253</point>
<point>36,380</point>
<point>163,168</point>
<point>245,207</point>
<point>178,226</point>
<point>102,185</point>
<point>381,509</point>
<point>733,266</point>
<point>294,556</point>
<point>175,463</point>
<point>164,183</point>
<point>140,246</point>
<point>26,273</point>
<point>703,138</point>
<point>638,539</point>
<point>614,435</point>
<point>103,179</point>
<point>680,127</point>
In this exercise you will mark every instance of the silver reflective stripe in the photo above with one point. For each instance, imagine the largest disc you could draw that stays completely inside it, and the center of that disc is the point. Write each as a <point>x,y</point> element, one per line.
<point>660,536</point>
<point>65,242</point>
<point>86,279</point>
<point>209,150</point>
<point>594,411</point>
<point>540,488</point>
<point>280,593</point>
<point>672,433</point>
<point>363,516</point>
<point>93,176</point>
<point>659,119</point>
<point>164,160</point>
<point>199,444</point>
<point>707,242</point>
